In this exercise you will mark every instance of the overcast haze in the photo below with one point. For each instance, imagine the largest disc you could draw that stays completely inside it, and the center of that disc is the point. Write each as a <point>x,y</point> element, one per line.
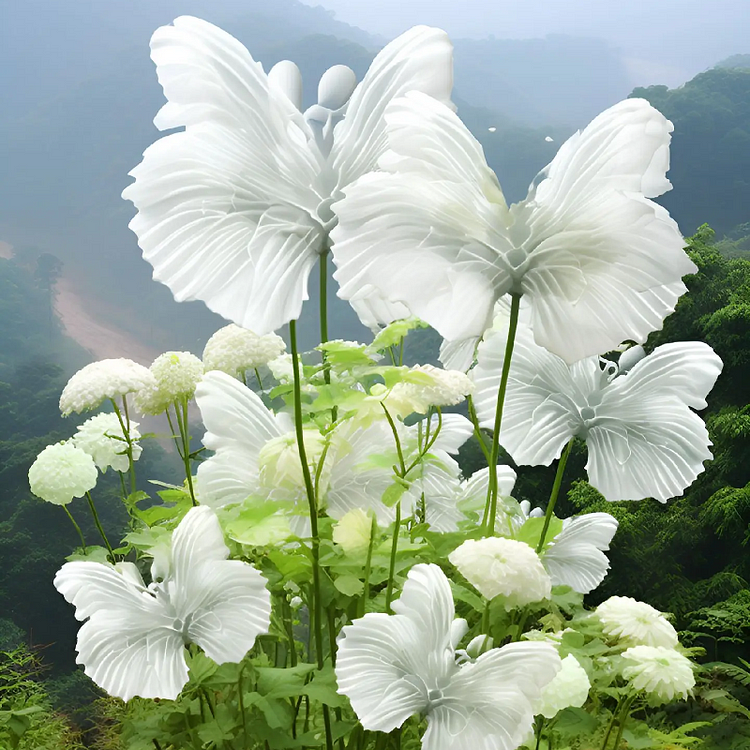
<point>661,41</point>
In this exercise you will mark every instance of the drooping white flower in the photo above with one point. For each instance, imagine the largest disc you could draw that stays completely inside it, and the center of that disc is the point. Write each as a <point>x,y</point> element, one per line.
<point>642,437</point>
<point>597,259</point>
<point>569,688</point>
<point>497,566</point>
<point>62,472</point>
<point>662,672</point>
<point>635,623</point>
<point>575,557</point>
<point>235,210</point>
<point>443,388</point>
<point>103,439</point>
<point>394,666</point>
<point>134,638</point>
<point>105,379</point>
<point>234,350</point>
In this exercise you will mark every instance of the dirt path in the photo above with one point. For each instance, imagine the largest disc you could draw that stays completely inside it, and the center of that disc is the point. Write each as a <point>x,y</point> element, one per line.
<point>103,341</point>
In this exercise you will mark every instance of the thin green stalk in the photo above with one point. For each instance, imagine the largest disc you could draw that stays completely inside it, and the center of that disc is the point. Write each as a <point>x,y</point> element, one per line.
<point>182,423</point>
<point>99,525</point>
<point>392,565</point>
<point>400,452</point>
<point>553,495</point>
<point>323,267</point>
<point>257,377</point>
<point>368,565</point>
<point>477,429</point>
<point>310,491</point>
<point>538,729</point>
<point>125,427</point>
<point>491,505</point>
<point>174,432</point>
<point>289,628</point>
<point>77,527</point>
<point>624,713</point>
<point>241,699</point>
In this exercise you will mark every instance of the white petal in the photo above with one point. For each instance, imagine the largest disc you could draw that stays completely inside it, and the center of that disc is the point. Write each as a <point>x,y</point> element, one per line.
<point>442,490</point>
<point>488,704</point>
<point>458,355</point>
<point>575,557</point>
<point>238,425</point>
<point>651,448</point>
<point>438,224</point>
<point>374,670</point>
<point>385,662</point>
<point>224,603</point>
<point>421,59</point>
<point>596,243</point>
<point>227,213</point>
<point>540,412</point>
<point>455,430</point>
<point>128,647</point>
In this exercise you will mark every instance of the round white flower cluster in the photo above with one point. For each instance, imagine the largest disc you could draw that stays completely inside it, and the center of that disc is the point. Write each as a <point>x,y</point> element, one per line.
<point>106,379</point>
<point>234,350</point>
<point>663,673</point>
<point>62,472</point>
<point>497,565</point>
<point>447,388</point>
<point>176,374</point>
<point>635,623</point>
<point>103,439</point>
<point>569,688</point>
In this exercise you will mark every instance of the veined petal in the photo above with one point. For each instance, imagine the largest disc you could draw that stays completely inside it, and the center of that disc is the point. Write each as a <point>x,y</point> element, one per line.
<point>420,59</point>
<point>238,425</point>
<point>228,201</point>
<point>654,448</point>
<point>460,354</point>
<point>222,604</point>
<point>386,665</point>
<point>129,645</point>
<point>686,370</point>
<point>374,670</point>
<point>442,215</point>
<point>455,430</point>
<point>595,242</point>
<point>542,400</point>
<point>489,704</point>
<point>576,556</point>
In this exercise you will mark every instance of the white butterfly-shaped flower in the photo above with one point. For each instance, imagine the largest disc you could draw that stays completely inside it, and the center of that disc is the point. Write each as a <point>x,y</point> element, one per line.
<point>599,261</point>
<point>133,642</point>
<point>235,210</point>
<point>643,439</point>
<point>394,666</point>
<point>256,454</point>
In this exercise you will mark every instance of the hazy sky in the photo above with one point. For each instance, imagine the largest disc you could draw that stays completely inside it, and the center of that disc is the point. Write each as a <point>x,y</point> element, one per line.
<point>663,41</point>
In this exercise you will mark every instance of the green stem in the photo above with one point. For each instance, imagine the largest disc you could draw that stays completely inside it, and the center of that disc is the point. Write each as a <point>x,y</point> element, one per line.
<point>324,302</point>
<point>400,452</point>
<point>392,565</point>
<point>289,628</point>
<point>78,528</point>
<point>491,505</point>
<point>310,491</point>
<point>99,525</point>
<point>241,699</point>
<point>624,713</point>
<point>368,565</point>
<point>257,377</point>
<point>182,423</point>
<point>538,728</point>
<point>125,426</point>
<point>477,429</point>
<point>553,495</point>
<point>174,433</point>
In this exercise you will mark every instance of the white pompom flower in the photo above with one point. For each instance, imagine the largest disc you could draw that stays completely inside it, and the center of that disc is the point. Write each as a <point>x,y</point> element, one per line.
<point>103,439</point>
<point>498,566</point>
<point>177,374</point>
<point>569,688</point>
<point>235,350</point>
<point>133,640</point>
<point>102,380</point>
<point>662,672</point>
<point>635,623</point>
<point>62,472</point>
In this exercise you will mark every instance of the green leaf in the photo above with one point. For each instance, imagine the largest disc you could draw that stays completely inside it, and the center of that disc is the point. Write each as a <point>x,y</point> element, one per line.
<point>531,531</point>
<point>392,334</point>
<point>93,554</point>
<point>349,585</point>
<point>393,494</point>
<point>257,523</point>
<point>323,688</point>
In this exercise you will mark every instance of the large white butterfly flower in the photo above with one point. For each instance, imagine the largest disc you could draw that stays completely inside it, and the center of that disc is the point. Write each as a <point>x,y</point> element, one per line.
<point>256,454</point>
<point>235,210</point>
<point>394,666</point>
<point>599,261</point>
<point>134,638</point>
<point>643,439</point>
